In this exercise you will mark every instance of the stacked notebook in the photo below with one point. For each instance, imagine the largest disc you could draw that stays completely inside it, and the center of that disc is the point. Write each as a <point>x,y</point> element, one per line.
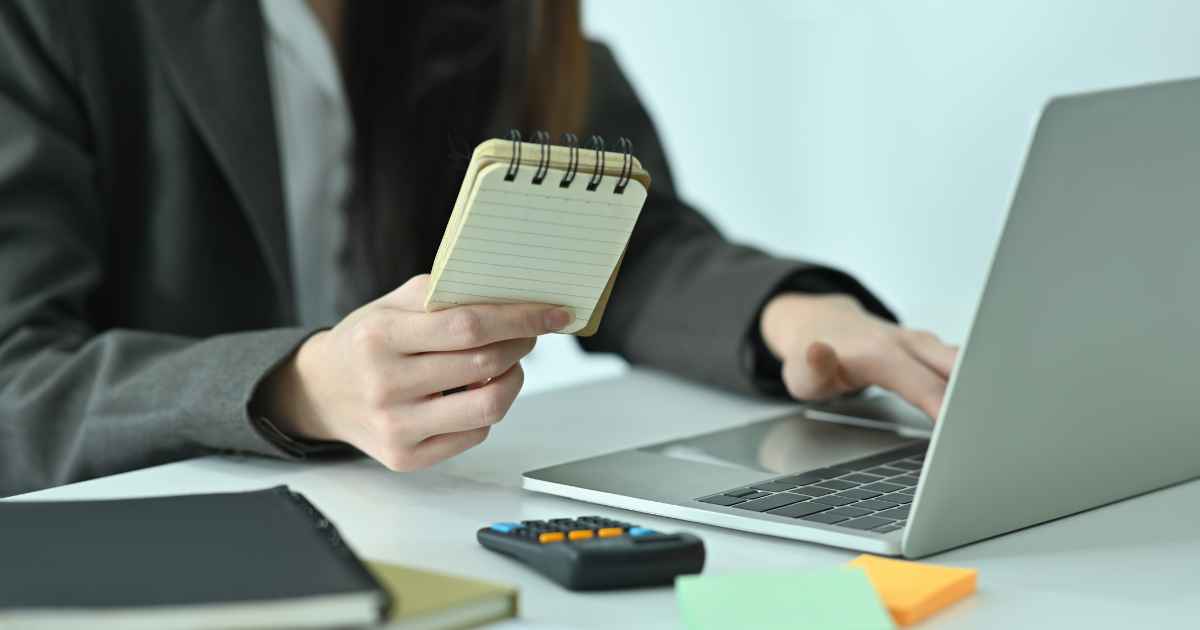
<point>242,560</point>
<point>540,223</point>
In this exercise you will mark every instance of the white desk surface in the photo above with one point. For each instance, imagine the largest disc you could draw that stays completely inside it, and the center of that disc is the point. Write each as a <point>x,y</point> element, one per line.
<point>1132,563</point>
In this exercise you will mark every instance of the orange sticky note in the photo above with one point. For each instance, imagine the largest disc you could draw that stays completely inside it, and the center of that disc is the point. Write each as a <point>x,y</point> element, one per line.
<point>912,591</point>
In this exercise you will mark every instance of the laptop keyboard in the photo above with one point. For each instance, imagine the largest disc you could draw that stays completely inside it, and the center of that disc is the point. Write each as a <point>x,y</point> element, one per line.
<point>868,494</point>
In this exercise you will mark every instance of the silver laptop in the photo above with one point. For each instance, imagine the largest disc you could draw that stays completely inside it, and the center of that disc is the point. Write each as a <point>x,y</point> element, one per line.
<point>1078,384</point>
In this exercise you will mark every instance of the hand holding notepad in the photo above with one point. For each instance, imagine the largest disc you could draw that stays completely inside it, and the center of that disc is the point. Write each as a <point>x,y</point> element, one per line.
<point>540,223</point>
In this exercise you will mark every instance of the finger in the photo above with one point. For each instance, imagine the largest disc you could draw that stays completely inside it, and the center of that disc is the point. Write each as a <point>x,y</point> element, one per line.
<point>818,376</point>
<point>477,325</point>
<point>436,448</point>
<point>930,350</point>
<point>409,296</point>
<point>902,373</point>
<point>473,408</point>
<point>434,372</point>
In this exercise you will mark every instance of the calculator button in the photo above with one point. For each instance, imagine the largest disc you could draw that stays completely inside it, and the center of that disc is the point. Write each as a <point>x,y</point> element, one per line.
<point>610,532</point>
<point>641,531</point>
<point>551,537</point>
<point>656,538</point>
<point>581,534</point>
<point>505,528</point>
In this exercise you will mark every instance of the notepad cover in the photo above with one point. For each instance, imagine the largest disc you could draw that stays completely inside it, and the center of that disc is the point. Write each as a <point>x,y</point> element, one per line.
<point>520,241</point>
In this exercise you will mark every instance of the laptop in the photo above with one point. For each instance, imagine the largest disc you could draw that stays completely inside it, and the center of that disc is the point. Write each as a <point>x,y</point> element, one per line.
<point>1076,385</point>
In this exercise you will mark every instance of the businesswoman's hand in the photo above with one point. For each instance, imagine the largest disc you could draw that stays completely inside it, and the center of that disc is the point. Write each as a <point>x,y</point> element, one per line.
<point>830,345</point>
<point>376,379</point>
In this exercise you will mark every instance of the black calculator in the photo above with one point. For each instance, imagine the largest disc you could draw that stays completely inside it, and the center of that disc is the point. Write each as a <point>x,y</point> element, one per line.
<point>595,553</point>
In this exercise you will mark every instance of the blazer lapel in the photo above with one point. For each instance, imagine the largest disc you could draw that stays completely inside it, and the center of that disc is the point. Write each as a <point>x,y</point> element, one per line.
<point>215,59</point>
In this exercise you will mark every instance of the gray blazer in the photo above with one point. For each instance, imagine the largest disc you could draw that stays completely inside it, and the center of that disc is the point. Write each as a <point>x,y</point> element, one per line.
<point>144,285</point>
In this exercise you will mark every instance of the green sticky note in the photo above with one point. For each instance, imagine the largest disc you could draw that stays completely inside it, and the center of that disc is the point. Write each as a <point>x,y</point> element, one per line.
<point>829,599</point>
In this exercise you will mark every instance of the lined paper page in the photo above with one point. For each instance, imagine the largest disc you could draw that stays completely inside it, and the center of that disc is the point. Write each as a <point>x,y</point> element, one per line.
<point>524,242</point>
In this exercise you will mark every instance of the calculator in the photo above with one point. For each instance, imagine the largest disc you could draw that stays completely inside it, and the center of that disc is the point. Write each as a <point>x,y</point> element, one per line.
<point>596,553</point>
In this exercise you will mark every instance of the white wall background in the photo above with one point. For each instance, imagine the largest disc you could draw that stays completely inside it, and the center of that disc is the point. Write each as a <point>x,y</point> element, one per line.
<point>884,137</point>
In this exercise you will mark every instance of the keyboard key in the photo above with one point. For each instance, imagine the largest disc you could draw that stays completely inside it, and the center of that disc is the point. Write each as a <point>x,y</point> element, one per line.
<point>754,494</point>
<point>824,517</point>
<point>837,484</point>
<point>908,480</point>
<point>803,479</point>
<point>898,497</point>
<point>773,486</point>
<point>551,537</point>
<point>611,532</point>
<point>637,532</point>
<point>812,491</point>
<point>770,503</point>
<point>534,523</point>
<point>858,494</point>
<point>580,534</point>
<point>796,510</point>
<point>505,528</point>
<point>883,529</point>
<point>906,465</point>
<point>896,512</point>
<point>721,499</point>
<point>883,486</point>
<point>866,522</point>
<point>861,478</point>
<point>849,512</point>
<point>741,492</point>
<point>876,504</point>
<point>886,471</point>
<point>833,500</point>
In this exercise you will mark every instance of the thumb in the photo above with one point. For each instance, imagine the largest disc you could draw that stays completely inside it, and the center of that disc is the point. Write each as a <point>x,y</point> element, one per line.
<point>817,376</point>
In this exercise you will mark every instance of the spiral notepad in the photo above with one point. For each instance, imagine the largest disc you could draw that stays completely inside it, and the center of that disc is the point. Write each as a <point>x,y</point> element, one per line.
<point>535,222</point>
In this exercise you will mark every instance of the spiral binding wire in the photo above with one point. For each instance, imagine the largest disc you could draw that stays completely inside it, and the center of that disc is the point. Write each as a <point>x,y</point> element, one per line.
<point>571,141</point>
<point>515,163</point>
<point>597,143</point>
<point>543,166</point>
<point>626,165</point>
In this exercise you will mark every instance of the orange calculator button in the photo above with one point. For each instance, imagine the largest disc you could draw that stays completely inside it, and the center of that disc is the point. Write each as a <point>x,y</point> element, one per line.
<point>611,532</point>
<point>581,534</point>
<point>549,537</point>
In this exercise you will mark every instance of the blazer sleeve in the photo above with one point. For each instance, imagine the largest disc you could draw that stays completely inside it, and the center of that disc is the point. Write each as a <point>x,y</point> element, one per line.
<point>77,401</point>
<point>686,299</point>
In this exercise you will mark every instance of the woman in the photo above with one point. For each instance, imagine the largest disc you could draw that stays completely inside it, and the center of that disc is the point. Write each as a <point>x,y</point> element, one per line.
<point>193,194</point>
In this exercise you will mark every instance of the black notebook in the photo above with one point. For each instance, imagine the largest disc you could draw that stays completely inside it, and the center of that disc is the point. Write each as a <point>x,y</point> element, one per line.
<point>239,560</point>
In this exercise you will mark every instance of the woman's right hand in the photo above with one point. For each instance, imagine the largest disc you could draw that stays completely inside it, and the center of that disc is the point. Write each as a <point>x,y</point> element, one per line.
<point>376,379</point>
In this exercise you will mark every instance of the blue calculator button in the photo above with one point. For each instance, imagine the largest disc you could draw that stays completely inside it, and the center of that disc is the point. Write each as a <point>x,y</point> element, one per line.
<point>505,528</point>
<point>640,531</point>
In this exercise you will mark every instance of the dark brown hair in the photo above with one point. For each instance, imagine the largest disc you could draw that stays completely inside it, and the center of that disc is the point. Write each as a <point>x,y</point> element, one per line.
<point>427,81</point>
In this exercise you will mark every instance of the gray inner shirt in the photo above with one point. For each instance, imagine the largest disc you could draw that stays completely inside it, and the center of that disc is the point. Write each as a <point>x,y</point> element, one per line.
<point>316,139</point>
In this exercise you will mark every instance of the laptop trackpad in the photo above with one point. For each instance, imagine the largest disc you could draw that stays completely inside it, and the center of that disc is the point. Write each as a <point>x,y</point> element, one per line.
<point>788,444</point>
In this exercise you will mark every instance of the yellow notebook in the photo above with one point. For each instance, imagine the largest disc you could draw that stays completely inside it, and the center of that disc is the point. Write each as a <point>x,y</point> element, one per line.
<point>428,600</point>
<point>540,223</point>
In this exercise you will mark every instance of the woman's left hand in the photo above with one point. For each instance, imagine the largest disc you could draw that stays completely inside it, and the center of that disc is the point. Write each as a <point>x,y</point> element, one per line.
<point>829,345</point>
